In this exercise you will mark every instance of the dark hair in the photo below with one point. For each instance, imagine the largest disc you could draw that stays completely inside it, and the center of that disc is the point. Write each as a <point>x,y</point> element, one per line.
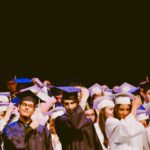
<point>102,120</point>
<point>28,98</point>
<point>115,112</point>
<point>96,115</point>
<point>75,100</point>
<point>147,121</point>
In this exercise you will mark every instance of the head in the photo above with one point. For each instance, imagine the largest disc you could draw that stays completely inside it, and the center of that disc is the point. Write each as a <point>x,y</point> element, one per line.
<point>109,112</point>
<point>91,114</point>
<point>145,91</point>
<point>70,101</point>
<point>57,93</point>
<point>27,107</point>
<point>12,86</point>
<point>122,110</point>
<point>146,95</point>
<point>70,105</point>
<point>105,106</point>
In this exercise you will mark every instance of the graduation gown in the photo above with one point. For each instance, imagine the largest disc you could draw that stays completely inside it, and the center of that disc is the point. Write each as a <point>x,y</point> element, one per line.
<point>125,134</point>
<point>148,135</point>
<point>18,137</point>
<point>76,132</point>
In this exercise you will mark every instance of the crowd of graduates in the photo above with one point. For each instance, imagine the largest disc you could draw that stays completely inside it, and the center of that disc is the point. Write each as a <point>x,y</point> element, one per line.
<point>37,115</point>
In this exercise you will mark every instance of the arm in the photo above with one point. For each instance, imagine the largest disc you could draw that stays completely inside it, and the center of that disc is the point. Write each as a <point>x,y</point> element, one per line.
<point>123,130</point>
<point>84,97</point>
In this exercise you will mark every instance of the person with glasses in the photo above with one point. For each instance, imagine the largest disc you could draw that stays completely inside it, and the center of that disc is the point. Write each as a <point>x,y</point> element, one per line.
<point>27,134</point>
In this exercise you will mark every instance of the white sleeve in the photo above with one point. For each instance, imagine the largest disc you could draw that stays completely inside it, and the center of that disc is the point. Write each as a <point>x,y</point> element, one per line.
<point>148,135</point>
<point>83,103</point>
<point>121,131</point>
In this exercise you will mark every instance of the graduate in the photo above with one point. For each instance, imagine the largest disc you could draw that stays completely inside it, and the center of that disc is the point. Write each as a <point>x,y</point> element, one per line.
<point>105,106</point>
<point>143,118</point>
<point>26,134</point>
<point>124,132</point>
<point>75,131</point>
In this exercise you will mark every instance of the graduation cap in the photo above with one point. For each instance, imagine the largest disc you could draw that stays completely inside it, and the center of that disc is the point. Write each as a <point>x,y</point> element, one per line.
<point>107,92</point>
<point>27,96</point>
<point>94,89</point>
<point>123,98</point>
<point>23,80</point>
<point>5,93</point>
<point>70,93</point>
<point>142,113</point>
<point>142,116</point>
<point>3,99</point>
<point>105,101</point>
<point>54,113</point>
<point>125,87</point>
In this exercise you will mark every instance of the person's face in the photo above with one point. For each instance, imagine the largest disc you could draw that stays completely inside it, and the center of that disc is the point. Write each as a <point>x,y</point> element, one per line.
<point>11,85</point>
<point>26,109</point>
<point>144,123</point>
<point>109,112</point>
<point>90,114</point>
<point>147,96</point>
<point>123,110</point>
<point>59,98</point>
<point>69,105</point>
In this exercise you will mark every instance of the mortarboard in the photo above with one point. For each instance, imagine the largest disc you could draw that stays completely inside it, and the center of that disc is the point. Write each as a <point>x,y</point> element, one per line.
<point>27,96</point>
<point>125,87</point>
<point>38,92</point>
<point>105,101</point>
<point>142,115</point>
<point>107,92</point>
<point>123,98</point>
<point>4,99</point>
<point>23,80</point>
<point>94,89</point>
<point>4,106</point>
<point>58,111</point>
<point>70,93</point>
<point>5,93</point>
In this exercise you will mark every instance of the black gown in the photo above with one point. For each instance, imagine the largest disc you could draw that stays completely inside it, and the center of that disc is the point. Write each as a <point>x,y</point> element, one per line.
<point>18,137</point>
<point>76,132</point>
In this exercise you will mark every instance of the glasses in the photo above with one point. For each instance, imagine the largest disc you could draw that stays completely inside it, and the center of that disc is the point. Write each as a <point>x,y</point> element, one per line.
<point>27,105</point>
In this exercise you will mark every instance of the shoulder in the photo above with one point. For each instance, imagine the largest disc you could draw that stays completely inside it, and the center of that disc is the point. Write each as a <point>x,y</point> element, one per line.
<point>112,121</point>
<point>111,124</point>
<point>12,127</point>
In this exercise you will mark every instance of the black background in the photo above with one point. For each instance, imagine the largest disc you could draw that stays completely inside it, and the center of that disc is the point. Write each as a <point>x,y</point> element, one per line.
<point>108,46</point>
